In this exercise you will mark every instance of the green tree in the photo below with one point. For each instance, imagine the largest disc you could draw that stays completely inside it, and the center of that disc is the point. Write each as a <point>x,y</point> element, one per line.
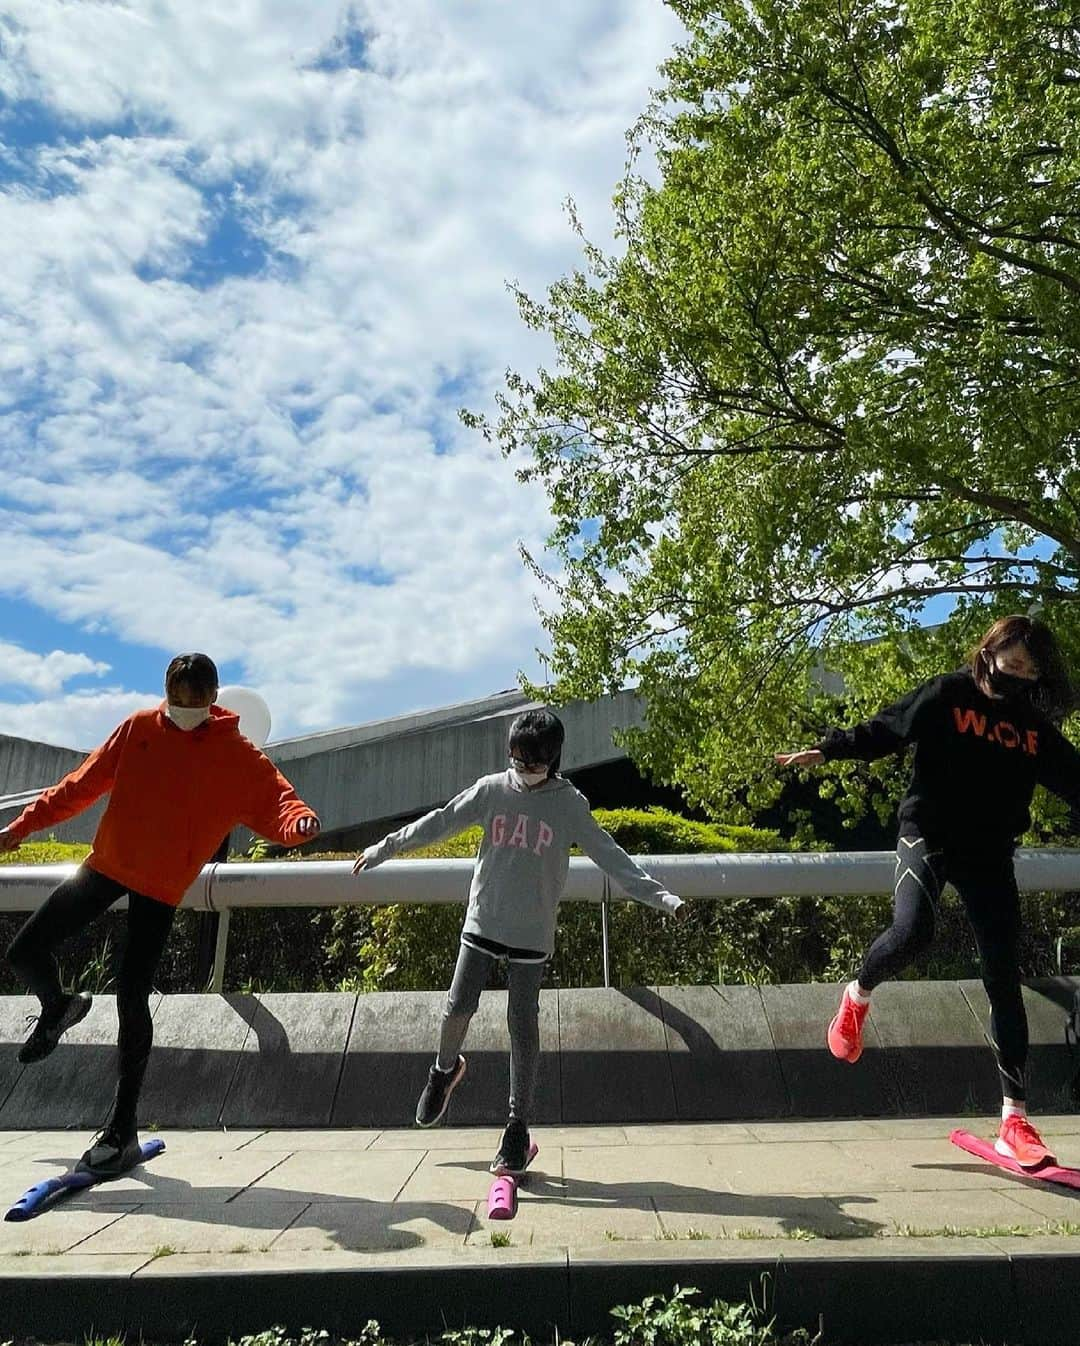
<point>828,387</point>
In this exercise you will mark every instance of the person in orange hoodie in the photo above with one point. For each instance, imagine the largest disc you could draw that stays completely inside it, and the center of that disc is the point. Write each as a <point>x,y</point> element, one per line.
<point>178,779</point>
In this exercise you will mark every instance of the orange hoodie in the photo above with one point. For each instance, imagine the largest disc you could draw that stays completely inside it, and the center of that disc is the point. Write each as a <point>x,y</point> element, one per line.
<point>174,794</point>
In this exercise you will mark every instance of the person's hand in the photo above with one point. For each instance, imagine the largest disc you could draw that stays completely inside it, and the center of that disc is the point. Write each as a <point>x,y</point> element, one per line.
<point>682,914</point>
<point>807,757</point>
<point>8,841</point>
<point>361,862</point>
<point>308,827</point>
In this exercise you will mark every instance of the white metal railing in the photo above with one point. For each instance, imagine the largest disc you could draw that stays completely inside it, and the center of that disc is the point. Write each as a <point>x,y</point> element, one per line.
<point>222,888</point>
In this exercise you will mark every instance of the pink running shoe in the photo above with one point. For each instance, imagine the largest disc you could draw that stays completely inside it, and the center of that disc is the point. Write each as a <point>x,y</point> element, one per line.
<point>1018,1139</point>
<point>845,1032</point>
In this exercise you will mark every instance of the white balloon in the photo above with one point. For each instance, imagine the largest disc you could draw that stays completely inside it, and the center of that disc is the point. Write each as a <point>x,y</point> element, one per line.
<point>253,711</point>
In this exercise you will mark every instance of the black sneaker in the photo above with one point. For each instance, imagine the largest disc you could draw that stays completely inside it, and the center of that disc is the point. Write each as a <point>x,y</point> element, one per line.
<point>110,1155</point>
<point>49,1029</point>
<point>440,1085</point>
<point>514,1150</point>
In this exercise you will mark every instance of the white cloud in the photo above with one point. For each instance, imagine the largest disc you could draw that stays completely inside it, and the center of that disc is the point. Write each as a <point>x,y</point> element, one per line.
<point>270,467</point>
<point>75,720</point>
<point>44,672</point>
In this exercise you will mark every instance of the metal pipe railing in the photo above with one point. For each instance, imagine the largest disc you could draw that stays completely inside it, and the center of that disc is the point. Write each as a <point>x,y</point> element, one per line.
<point>331,883</point>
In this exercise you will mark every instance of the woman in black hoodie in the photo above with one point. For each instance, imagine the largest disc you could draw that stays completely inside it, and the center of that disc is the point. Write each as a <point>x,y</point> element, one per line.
<point>984,737</point>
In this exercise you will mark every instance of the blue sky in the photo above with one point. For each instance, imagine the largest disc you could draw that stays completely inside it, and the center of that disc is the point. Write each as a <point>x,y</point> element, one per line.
<point>256,259</point>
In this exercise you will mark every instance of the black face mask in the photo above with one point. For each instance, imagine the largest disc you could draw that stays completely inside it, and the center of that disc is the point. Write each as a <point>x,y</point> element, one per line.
<point>1010,686</point>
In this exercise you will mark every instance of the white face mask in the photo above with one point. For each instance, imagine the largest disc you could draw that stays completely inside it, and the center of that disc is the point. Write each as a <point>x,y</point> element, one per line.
<point>187,717</point>
<point>529,777</point>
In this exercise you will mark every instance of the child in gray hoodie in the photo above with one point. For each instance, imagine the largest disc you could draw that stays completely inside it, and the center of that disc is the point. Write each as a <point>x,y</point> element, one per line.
<point>531,817</point>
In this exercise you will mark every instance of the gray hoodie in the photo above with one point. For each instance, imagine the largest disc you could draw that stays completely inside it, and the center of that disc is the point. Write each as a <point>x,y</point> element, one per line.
<point>524,855</point>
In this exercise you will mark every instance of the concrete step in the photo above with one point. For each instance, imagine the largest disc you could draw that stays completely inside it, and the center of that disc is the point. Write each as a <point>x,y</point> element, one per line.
<point>879,1231</point>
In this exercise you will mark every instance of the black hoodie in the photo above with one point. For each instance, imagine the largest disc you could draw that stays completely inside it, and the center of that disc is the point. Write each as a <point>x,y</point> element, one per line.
<point>977,762</point>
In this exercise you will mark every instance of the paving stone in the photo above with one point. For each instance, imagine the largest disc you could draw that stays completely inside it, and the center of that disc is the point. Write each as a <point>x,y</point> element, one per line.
<point>203,1141</point>
<point>814,1166</point>
<point>614,1057</point>
<point>438,1138</point>
<point>198,1040</point>
<point>730,1215</point>
<point>468,1258</point>
<point>63,1230</point>
<point>906,1213</point>
<point>560,1224</point>
<point>291,1139</point>
<point>674,1133</point>
<point>290,1062</point>
<point>209,1141</point>
<point>912,1128</point>
<point>172,1227</point>
<point>35,1266</point>
<point>794,1133</point>
<point>373,1226</point>
<point>322,1176</point>
<point>637,1170</point>
<point>922,1164</point>
<point>183,1179</point>
<point>463,1175</point>
<point>1061,1124</point>
<point>1045,1201</point>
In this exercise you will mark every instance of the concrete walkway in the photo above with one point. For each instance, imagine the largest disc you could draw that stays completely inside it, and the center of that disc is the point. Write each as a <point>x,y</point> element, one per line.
<point>230,1231</point>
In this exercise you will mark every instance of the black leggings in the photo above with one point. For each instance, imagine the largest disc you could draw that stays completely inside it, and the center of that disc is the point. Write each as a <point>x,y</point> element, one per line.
<point>988,890</point>
<point>77,902</point>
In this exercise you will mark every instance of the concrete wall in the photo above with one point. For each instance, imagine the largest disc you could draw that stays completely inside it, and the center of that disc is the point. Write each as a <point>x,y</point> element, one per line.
<point>361,780</point>
<point>654,1054</point>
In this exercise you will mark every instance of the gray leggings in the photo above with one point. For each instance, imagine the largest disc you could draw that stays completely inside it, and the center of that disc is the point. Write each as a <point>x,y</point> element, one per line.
<point>522,1018</point>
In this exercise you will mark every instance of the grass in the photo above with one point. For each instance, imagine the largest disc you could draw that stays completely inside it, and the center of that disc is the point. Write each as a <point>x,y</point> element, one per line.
<point>500,1240</point>
<point>949,1231</point>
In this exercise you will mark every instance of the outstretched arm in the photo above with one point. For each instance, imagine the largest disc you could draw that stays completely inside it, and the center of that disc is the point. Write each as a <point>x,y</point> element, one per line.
<point>79,789</point>
<point>274,810</point>
<point>889,731</point>
<point>1057,767</point>
<point>464,810</point>
<point>602,848</point>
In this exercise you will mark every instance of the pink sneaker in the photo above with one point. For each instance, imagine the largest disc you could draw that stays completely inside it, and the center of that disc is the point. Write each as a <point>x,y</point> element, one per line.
<point>845,1032</point>
<point>1018,1139</point>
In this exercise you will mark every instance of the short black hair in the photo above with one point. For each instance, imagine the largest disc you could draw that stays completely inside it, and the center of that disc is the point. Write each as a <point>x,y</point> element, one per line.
<point>197,672</point>
<point>538,736</point>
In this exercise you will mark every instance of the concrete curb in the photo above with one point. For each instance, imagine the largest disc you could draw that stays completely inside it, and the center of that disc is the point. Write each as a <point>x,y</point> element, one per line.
<point>858,1292</point>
